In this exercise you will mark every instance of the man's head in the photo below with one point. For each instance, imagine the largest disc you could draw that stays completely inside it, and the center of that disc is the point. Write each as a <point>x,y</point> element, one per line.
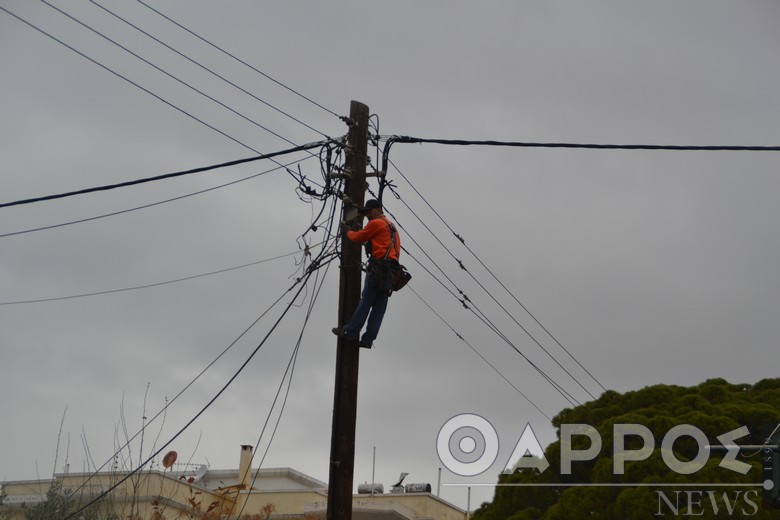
<point>372,209</point>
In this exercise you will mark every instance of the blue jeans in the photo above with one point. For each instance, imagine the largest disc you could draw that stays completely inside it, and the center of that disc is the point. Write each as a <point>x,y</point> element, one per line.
<point>373,304</point>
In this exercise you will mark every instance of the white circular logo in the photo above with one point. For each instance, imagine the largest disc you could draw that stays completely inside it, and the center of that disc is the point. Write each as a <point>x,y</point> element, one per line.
<point>467,445</point>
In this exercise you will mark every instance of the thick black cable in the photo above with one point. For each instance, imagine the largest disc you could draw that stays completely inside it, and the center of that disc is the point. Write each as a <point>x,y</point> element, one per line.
<point>496,370</point>
<point>207,69</point>
<point>239,60</point>
<point>202,410</point>
<point>314,266</point>
<point>291,364</point>
<point>183,390</point>
<point>520,144</point>
<point>291,370</point>
<point>126,79</point>
<point>164,176</point>
<point>150,205</point>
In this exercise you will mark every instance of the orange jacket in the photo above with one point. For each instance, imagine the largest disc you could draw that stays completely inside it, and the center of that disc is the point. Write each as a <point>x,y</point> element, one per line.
<point>378,232</point>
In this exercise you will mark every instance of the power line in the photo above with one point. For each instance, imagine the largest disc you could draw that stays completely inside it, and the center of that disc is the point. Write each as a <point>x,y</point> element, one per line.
<point>500,305</point>
<point>343,118</point>
<point>289,370</point>
<point>223,105</point>
<point>460,263</point>
<point>164,176</point>
<point>496,370</point>
<point>323,259</point>
<point>164,72</point>
<point>182,391</point>
<point>147,286</point>
<point>145,206</point>
<point>209,403</point>
<point>126,79</point>
<point>314,266</point>
<point>474,309</point>
<point>206,68</point>
<point>520,144</point>
<point>471,306</point>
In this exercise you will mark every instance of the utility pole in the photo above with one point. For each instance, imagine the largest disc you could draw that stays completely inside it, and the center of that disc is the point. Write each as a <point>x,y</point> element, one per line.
<point>342,443</point>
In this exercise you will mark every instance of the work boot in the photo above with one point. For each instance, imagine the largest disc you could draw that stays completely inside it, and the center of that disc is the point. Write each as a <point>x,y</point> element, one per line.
<point>340,332</point>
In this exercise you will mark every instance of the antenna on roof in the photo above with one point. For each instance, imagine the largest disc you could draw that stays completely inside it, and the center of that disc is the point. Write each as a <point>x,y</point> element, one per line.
<point>201,472</point>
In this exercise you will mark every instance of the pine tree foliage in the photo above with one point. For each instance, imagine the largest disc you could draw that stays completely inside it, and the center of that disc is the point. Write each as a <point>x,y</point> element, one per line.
<point>714,407</point>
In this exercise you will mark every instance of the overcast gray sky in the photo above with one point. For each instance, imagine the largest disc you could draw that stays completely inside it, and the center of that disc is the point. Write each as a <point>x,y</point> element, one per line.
<point>648,266</point>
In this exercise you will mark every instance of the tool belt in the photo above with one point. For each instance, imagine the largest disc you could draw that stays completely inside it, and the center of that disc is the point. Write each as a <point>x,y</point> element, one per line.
<point>383,273</point>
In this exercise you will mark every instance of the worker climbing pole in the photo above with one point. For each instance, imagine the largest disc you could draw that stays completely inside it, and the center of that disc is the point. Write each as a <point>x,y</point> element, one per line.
<point>342,446</point>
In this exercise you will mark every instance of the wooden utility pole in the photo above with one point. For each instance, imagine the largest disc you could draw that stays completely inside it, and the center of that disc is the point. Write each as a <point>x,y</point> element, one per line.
<point>342,443</point>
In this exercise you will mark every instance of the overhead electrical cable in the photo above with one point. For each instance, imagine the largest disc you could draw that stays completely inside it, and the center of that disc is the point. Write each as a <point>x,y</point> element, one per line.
<point>472,307</point>
<point>179,80</point>
<point>163,176</point>
<point>520,144</point>
<point>496,370</point>
<point>500,305</point>
<point>318,284</point>
<point>463,241</point>
<point>150,205</point>
<point>137,85</point>
<point>183,390</point>
<point>490,294</point>
<point>150,285</point>
<point>315,265</point>
<point>207,69</point>
<point>239,60</point>
<point>189,423</point>
<point>469,305</point>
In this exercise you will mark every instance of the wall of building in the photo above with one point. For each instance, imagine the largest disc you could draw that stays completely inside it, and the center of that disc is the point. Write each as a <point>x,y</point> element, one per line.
<point>153,492</point>
<point>142,494</point>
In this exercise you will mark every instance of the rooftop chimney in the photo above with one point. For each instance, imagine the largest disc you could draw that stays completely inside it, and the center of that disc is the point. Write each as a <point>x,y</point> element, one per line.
<point>245,467</point>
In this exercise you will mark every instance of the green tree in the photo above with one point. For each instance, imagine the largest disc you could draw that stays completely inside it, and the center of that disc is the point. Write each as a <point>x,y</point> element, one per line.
<point>714,407</point>
<point>4,515</point>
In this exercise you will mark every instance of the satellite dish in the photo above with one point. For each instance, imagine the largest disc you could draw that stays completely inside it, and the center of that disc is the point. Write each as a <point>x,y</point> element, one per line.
<point>169,459</point>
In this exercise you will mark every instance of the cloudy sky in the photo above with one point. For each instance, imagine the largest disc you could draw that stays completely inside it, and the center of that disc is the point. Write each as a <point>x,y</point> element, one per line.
<point>647,266</point>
